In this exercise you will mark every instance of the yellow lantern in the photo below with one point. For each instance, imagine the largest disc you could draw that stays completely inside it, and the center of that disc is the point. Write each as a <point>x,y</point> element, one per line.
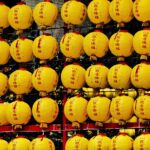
<point>96,76</point>
<point>130,132</point>
<point>122,108</point>
<point>4,16</point>
<point>45,47</point>
<point>45,110</point>
<point>98,109</point>
<point>71,45</point>
<point>45,13</point>
<point>21,50</point>
<point>18,113</point>
<point>76,109</point>
<point>141,10</point>
<point>134,119</point>
<point>121,44</point>
<point>142,141</point>
<point>3,144</point>
<point>140,75</point>
<point>77,142</point>
<point>95,44</point>
<point>3,84</point>
<point>73,12</point>
<point>19,143</point>
<point>98,11</point>
<point>119,76</point>
<point>73,76</point>
<point>121,10</point>
<point>100,141</point>
<point>45,79</point>
<point>20,81</point>
<point>42,143</point>
<point>121,142</point>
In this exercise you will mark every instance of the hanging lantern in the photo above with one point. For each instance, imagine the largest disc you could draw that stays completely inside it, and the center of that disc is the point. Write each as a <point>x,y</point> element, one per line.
<point>121,44</point>
<point>100,141</point>
<point>95,44</point>
<point>45,47</point>
<point>20,16</point>
<point>98,109</point>
<point>19,143</point>
<point>3,84</point>
<point>73,76</point>
<point>77,142</point>
<point>122,108</point>
<point>96,76</point>
<point>119,76</point>
<point>42,142</point>
<point>18,113</point>
<point>3,144</point>
<point>75,110</point>
<point>98,11</point>
<point>21,50</point>
<point>130,132</point>
<point>45,110</point>
<point>121,142</point>
<point>20,81</point>
<point>71,45</point>
<point>45,13</point>
<point>140,75</point>
<point>121,10</point>
<point>73,12</point>
<point>45,79</point>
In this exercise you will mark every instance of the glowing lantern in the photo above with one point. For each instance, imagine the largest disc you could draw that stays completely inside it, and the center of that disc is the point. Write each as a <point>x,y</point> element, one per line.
<point>95,44</point>
<point>45,47</point>
<point>3,144</point>
<point>130,132</point>
<point>45,14</point>
<point>3,84</point>
<point>73,12</point>
<point>21,50</point>
<point>71,45</point>
<point>119,76</point>
<point>77,142</point>
<point>45,110</point>
<point>73,76</point>
<point>96,76</point>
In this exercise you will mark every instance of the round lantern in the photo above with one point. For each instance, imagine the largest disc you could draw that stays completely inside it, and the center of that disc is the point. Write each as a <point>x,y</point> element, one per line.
<point>96,76</point>
<point>45,79</point>
<point>121,44</point>
<point>98,109</point>
<point>121,10</point>
<point>140,76</point>
<point>21,50</point>
<point>19,143</point>
<point>76,109</point>
<point>20,16</point>
<point>98,11</point>
<point>73,12</point>
<point>3,144</point>
<point>95,44</point>
<point>122,108</point>
<point>4,16</point>
<point>141,10</point>
<point>142,141</point>
<point>73,76</point>
<point>130,132</point>
<point>100,141</point>
<point>71,45</point>
<point>45,13</point>
<point>45,110</point>
<point>3,84</point>
<point>119,76</point>
<point>45,47</point>
<point>20,81</point>
<point>77,142</point>
<point>121,141</point>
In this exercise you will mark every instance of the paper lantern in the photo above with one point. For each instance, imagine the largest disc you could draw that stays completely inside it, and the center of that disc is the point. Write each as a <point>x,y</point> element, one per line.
<point>130,132</point>
<point>21,50</point>
<point>4,144</point>
<point>73,12</point>
<point>71,45</point>
<point>45,47</point>
<point>3,84</point>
